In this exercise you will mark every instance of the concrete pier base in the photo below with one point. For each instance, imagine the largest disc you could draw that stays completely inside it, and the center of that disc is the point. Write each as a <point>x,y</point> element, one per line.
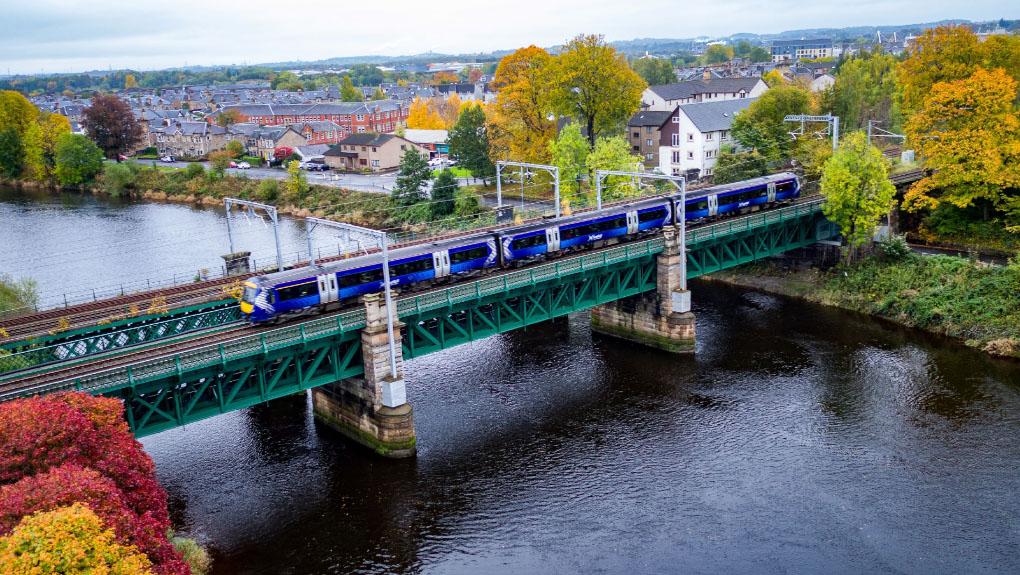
<point>661,319</point>
<point>372,410</point>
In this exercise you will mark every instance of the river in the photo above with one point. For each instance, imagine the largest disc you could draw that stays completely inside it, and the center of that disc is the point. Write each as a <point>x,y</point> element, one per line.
<point>797,439</point>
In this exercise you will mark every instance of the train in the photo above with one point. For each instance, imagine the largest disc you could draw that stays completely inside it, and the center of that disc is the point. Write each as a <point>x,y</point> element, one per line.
<point>276,297</point>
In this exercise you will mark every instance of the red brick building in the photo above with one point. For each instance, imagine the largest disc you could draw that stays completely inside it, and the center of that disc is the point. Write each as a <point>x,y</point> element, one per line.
<point>379,116</point>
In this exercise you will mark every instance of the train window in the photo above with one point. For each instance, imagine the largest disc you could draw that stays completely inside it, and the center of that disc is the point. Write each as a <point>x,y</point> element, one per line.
<point>412,267</point>
<point>528,242</point>
<point>653,214</point>
<point>784,187</point>
<point>468,255</point>
<point>570,233</point>
<point>297,291</point>
<point>699,205</point>
<point>358,278</point>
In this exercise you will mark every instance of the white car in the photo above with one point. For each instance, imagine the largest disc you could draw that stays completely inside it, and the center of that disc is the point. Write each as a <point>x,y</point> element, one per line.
<point>167,159</point>
<point>243,166</point>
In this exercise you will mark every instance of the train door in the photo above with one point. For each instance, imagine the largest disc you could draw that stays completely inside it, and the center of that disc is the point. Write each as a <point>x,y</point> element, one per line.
<point>441,263</point>
<point>552,239</point>
<point>713,205</point>
<point>327,288</point>
<point>772,192</point>
<point>632,222</point>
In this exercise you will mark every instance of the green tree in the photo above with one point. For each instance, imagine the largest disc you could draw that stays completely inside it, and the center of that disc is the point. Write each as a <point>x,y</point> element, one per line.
<point>866,89</point>
<point>78,160</point>
<point>444,190</point>
<point>855,184</point>
<point>469,143</point>
<point>286,81</point>
<point>569,153</point>
<point>296,187</point>
<point>592,82</point>
<point>17,294</point>
<point>717,54</point>
<point>367,74</point>
<point>378,94</point>
<point>733,166</point>
<point>219,161</point>
<point>11,153</point>
<point>613,154</point>
<point>655,71</point>
<point>761,126</point>
<point>235,149</point>
<point>414,173</point>
<point>348,93</point>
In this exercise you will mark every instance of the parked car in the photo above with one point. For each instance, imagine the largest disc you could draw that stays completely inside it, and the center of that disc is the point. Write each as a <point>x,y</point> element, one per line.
<point>313,166</point>
<point>233,164</point>
<point>167,159</point>
<point>243,166</point>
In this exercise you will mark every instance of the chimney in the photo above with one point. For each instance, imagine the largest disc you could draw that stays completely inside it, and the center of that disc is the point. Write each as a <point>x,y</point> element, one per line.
<point>706,75</point>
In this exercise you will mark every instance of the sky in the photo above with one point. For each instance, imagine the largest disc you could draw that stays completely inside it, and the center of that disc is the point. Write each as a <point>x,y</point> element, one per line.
<point>76,35</point>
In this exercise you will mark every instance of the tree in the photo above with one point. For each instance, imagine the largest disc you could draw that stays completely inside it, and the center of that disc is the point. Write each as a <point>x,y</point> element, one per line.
<point>16,112</point>
<point>348,93</point>
<point>745,49</point>
<point>613,154</point>
<point>228,118</point>
<point>774,78</point>
<point>475,75</point>
<point>717,54</point>
<point>733,166</point>
<point>130,82</point>
<point>655,71</point>
<point>78,160</point>
<point>67,540</point>
<point>443,78</point>
<point>235,148</point>
<point>111,125</point>
<point>941,54</point>
<point>469,143</point>
<point>51,128</point>
<point>219,161</point>
<point>378,94</point>
<point>761,126</point>
<point>296,187</point>
<point>443,192</point>
<point>17,294</point>
<point>592,82</point>
<point>855,184</point>
<point>366,75</point>
<point>414,173</point>
<point>281,153</point>
<point>11,153</point>
<point>865,89</point>
<point>287,81</point>
<point>422,116</point>
<point>520,127</point>
<point>569,152</point>
<point>968,132</point>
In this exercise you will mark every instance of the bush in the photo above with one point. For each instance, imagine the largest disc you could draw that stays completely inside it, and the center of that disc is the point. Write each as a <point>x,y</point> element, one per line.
<point>268,191</point>
<point>194,555</point>
<point>65,541</point>
<point>895,248</point>
<point>118,179</point>
<point>17,294</point>
<point>194,170</point>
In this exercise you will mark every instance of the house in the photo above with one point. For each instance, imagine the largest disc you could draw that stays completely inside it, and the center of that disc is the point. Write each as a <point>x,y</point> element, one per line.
<point>320,132</point>
<point>432,140</point>
<point>381,116</point>
<point>268,138</point>
<point>644,133</point>
<point>187,139</point>
<point>821,83</point>
<point>707,89</point>
<point>312,152</point>
<point>375,152</point>
<point>691,139</point>
<point>787,50</point>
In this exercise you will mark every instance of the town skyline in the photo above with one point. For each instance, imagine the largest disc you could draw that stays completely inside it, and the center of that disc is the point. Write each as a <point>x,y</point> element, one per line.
<point>38,37</point>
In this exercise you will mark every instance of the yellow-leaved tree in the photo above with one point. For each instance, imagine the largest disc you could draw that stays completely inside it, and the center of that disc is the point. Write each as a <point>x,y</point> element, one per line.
<point>67,540</point>
<point>422,116</point>
<point>968,132</point>
<point>519,124</point>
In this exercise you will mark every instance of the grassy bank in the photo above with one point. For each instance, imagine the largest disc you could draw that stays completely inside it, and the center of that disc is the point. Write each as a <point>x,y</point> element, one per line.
<point>947,295</point>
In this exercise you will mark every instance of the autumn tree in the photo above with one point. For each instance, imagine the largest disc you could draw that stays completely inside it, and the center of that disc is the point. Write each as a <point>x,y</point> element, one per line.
<point>110,123</point>
<point>296,187</point>
<point>235,148</point>
<point>968,133</point>
<point>68,540</point>
<point>378,94</point>
<point>774,78</point>
<point>423,116</point>
<point>857,191</point>
<point>592,82</point>
<point>474,75</point>
<point>29,137</point>
<point>469,143</point>
<point>219,161</point>
<point>413,175</point>
<point>761,126</point>
<point>655,71</point>
<point>866,89</point>
<point>520,127</point>
<point>228,117</point>
<point>348,93</point>
<point>569,152</point>
<point>942,54</point>
<point>78,160</point>
<point>130,82</point>
<point>443,78</point>
<point>717,54</point>
<point>11,154</point>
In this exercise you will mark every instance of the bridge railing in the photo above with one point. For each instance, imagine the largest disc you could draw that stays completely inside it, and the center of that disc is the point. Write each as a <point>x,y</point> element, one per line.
<point>753,221</point>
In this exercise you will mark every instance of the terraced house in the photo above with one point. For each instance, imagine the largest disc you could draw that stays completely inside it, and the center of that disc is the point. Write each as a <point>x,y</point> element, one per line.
<point>187,139</point>
<point>380,116</point>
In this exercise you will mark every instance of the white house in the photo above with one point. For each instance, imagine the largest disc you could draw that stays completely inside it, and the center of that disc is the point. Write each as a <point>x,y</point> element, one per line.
<point>668,96</point>
<point>823,82</point>
<point>696,133</point>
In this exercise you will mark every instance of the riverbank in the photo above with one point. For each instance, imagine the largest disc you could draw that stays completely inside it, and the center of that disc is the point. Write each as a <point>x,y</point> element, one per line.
<point>951,296</point>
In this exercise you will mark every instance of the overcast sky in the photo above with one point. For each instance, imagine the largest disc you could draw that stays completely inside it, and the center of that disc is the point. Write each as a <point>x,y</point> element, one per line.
<point>76,35</point>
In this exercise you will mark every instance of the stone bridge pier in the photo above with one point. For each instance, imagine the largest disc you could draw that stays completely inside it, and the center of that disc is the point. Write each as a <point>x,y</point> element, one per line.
<point>661,319</point>
<point>372,410</point>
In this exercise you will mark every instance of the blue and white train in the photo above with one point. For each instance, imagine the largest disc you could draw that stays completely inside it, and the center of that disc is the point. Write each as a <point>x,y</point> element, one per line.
<point>332,285</point>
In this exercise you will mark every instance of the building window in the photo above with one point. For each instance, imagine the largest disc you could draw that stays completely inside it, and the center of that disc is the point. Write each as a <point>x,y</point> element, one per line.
<point>637,135</point>
<point>676,119</point>
<point>690,137</point>
<point>649,156</point>
<point>375,163</point>
<point>361,129</point>
<point>725,135</point>
<point>708,171</point>
<point>637,148</point>
<point>361,117</point>
<point>648,129</point>
<point>708,137</point>
<point>690,155</point>
<point>675,139</point>
<point>648,142</point>
<point>676,157</point>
